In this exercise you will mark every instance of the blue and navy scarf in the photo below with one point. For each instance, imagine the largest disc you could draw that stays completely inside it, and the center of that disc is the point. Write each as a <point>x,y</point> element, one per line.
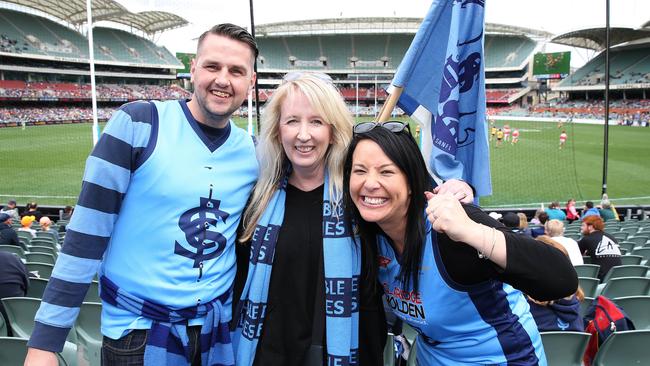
<point>342,263</point>
<point>167,340</point>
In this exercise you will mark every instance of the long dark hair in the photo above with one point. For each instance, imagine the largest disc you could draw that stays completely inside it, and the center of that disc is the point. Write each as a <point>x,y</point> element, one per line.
<point>403,151</point>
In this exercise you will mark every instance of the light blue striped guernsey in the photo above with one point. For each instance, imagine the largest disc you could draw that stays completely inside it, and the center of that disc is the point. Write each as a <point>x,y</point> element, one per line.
<point>157,215</point>
<point>486,324</point>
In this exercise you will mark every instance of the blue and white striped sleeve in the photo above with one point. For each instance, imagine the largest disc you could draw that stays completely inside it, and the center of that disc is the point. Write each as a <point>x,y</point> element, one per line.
<point>121,149</point>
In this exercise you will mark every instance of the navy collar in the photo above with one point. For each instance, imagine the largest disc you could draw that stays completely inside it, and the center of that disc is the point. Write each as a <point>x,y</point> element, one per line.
<point>210,144</point>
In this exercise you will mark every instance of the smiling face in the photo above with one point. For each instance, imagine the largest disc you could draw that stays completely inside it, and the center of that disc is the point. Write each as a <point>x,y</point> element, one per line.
<point>304,134</point>
<point>222,74</point>
<point>378,187</point>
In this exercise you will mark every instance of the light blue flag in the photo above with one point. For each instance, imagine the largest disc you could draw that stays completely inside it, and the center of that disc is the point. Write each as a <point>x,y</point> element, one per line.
<point>443,81</point>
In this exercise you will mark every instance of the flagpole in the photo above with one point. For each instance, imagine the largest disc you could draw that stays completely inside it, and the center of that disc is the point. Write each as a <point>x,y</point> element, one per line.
<point>257,91</point>
<point>606,138</point>
<point>91,54</point>
<point>389,104</point>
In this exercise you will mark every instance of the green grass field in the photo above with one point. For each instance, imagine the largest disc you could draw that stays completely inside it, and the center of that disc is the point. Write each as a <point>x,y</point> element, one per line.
<point>45,164</point>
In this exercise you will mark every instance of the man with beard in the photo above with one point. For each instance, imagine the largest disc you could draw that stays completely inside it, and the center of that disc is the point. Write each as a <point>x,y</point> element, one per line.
<point>161,199</point>
<point>599,245</point>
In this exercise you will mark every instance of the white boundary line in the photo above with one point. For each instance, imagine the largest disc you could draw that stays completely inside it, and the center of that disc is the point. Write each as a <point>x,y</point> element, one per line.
<point>32,196</point>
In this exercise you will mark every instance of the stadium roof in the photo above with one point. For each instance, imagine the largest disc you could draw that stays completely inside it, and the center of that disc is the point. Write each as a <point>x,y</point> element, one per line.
<point>371,25</point>
<point>74,12</point>
<point>594,38</point>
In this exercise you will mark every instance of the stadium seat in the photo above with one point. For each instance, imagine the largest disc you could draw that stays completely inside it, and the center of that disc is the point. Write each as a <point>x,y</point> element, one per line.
<point>587,270</point>
<point>89,337</point>
<point>626,286</point>
<point>93,293</point>
<point>629,229</point>
<point>36,287</point>
<point>43,249</point>
<point>24,235</point>
<point>24,243</point>
<point>584,305</point>
<point>565,348</point>
<point>628,245</point>
<point>389,350</point>
<point>47,242</point>
<point>586,259</point>
<point>12,351</point>
<point>3,326</point>
<point>40,270</point>
<point>47,235</point>
<point>21,312</point>
<point>637,308</point>
<point>620,236</point>
<point>624,348</point>
<point>626,271</point>
<point>631,259</point>
<point>40,258</point>
<point>644,252</point>
<point>639,241</point>
<point>589,285</point>
<point>13,249</point>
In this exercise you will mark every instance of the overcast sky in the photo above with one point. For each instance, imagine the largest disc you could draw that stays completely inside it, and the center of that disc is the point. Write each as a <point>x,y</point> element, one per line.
<point>555,16</point>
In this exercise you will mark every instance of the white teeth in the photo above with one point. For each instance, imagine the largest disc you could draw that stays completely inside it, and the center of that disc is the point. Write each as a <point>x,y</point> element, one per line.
<point>374,200</point>
<point>220,94</point>
<point>304,148</point>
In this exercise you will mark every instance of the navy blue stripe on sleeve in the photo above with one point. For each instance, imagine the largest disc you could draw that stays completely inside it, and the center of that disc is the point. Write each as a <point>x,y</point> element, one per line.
<point>84,245</point>
<point>99,198</point>
<point>139,111</point>
<point>47,337</point>
<point>64,293</point>
<point>113,150</point>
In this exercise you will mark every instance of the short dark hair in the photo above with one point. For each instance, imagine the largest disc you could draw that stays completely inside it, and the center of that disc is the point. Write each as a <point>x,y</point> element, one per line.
<point>543,217</point>
<point>233,32</point>
<point>589,204</point>
<point>404,152</point>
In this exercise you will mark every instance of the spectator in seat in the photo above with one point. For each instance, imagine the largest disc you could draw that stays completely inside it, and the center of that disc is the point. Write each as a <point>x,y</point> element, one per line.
<point>46,224</point>
<point>590,210</point>
<point>554,212</point>
<point>14,280</point>
<point>571,212</point>
<point>32,210</point>
<point>561,314</point>
<point>537,231</point>
<point>26,225</point>
<point>607,212</point>
<point>11,210</point>
<point>599,245</point>
<point>555,230</point>
<point>8,235</point>
<point>67,213</point>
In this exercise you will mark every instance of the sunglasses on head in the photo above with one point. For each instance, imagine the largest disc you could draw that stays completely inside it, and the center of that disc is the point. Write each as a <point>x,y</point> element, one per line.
<point>392,126</point>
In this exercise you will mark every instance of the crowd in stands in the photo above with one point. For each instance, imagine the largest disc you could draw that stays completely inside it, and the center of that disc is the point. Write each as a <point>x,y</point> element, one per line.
<point>626,112</point>
<point>500,95</point>
<point>9,44</point>
<point>47,114</point>
<point>15,89</point>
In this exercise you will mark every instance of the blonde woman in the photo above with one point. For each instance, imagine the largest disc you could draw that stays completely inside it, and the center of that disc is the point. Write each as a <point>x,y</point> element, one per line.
<point>294,240</point>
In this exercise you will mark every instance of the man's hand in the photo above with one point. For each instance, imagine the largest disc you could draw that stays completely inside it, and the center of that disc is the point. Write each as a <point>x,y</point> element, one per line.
<point>458,188</point>
<point>38,357</point>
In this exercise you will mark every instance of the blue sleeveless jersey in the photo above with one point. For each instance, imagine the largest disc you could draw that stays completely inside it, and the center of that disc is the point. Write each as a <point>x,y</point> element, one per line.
<point>173,241</point>
<point>489,323</point>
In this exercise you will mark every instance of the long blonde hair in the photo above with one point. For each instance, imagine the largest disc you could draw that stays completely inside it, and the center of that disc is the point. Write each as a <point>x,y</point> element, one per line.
<point>329,104</point>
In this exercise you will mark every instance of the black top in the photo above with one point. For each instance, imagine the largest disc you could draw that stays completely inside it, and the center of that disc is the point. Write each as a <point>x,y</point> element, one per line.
<point>534,268</point>
<point>603,250</point>
<point>8,235</point>
<point>294,293</point>
<point>13,278</point>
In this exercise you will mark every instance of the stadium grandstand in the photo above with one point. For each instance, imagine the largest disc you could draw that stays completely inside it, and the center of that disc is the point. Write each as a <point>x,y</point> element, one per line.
<point>44,60</point>
<point>364,53</point>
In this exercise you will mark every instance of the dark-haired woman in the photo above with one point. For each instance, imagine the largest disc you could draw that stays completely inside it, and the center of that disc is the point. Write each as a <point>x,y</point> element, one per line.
<point>450,271</point>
